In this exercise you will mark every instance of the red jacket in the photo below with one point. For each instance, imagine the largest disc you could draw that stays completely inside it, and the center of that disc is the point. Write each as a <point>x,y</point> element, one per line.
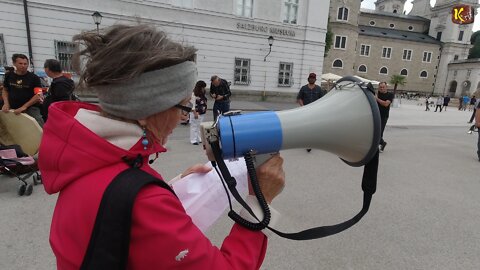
<point>79,165</point>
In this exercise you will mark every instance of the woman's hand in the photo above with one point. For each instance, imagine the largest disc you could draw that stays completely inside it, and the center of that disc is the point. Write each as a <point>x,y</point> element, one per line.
<point>197,168</point>
<point>271,178</point>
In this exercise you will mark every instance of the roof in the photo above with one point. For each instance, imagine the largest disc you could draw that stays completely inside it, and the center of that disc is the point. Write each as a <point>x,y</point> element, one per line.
<point>396,34</point>
<point>391,14</point>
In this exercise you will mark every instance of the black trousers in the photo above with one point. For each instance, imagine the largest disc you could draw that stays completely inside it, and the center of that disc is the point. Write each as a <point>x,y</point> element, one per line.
<point>384,120</point>
<point>220,107</point>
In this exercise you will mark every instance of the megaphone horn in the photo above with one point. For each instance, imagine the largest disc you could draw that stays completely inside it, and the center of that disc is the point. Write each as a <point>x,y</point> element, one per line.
<point>345,122</point>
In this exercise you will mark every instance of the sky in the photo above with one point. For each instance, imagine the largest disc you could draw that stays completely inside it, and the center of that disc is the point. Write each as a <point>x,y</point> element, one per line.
<point>408,6</point>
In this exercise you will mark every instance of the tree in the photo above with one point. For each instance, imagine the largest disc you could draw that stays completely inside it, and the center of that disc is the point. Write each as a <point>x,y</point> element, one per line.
<point>475,50</point>
<point>328,39</point>
<point>397,80</point>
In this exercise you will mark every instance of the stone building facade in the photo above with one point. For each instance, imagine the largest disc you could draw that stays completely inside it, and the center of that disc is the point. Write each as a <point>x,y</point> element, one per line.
<point>376,44</point>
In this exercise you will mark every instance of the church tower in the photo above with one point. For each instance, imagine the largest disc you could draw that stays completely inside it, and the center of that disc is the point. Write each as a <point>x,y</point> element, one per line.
<point>421,8</point>
<point>455,38</point>
<point>393,6</point>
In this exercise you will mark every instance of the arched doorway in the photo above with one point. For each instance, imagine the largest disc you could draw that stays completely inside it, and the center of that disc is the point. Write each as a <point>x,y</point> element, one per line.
<point>466,88</point>
<point>453,88</point>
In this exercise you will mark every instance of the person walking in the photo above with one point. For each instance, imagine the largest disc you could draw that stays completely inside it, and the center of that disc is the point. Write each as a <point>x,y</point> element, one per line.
<point>310,93</point>
<point>220,92</point>
<point>199,101</point>
<point>446,100</point>
<point>477,123</point>
<point>475,108</point>
<point>427,104</point>
<point>439,103</point>
<point>384,99</point>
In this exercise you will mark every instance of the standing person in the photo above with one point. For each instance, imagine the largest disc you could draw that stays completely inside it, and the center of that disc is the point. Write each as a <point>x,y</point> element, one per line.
<point>199,101</point>
<point>446,100</point>
<point>309,93</point>
<point>471,106</point>
<point>460,103</point>
<point>220,92</point>
<point>21,89</point>
<point>439,103</point>
<point>477,123</point>
<point>427,103</point>
<point>475,106</point>
<point>61,88</point>
<point>143,81</point>
<point>384,99</point>
<point>465,102</point>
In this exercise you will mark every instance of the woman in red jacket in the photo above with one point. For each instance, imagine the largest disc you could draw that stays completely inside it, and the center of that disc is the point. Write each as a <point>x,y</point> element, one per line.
<point>143,81</point>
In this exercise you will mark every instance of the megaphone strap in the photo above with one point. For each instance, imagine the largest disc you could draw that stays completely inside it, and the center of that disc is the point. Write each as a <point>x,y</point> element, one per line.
<point>369,185</point>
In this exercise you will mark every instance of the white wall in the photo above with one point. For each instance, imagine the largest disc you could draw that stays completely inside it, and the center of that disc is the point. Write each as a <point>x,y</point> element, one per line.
<point>211,27</point>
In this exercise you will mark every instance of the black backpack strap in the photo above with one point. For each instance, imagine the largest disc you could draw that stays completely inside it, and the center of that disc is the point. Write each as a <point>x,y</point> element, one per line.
<point>110,239</point>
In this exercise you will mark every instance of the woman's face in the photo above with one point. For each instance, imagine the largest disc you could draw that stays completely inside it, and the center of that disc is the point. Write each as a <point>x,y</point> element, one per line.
<point>162,124</point>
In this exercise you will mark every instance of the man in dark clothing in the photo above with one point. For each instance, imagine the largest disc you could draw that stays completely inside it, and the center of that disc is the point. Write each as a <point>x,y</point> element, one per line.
<point>477,123</point>
<point>61,87</point>
<point>310,93</point>
<point>220,92</point>
<point>384,99</point>
<point>446,100</point>
<point>22,90</point>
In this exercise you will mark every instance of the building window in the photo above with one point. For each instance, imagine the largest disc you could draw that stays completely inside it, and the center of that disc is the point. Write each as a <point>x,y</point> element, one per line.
<point>404,72</point>
<point>364,50</point>
<point>3,55</point>
<point>387,52</point>
<point>337,63</point>
<point>362,69</point>
<point>427,57</point>
<point>244,8</point>
<point>455,57</point>
<point>392,25</point>
<point>407,55</point>
<point>460,35</point>
<point>410,28</point>
<point>340,42</point>
<point>384,71</point>
<point>423,74</point>
<point>242,71</point>
<point>372,23</point>
<point>285,74</point>
<point>291,10</point>
<point>183,3</point>
<point>342,14</point>
<point>469,72</point>
<point>454,73</point>
<point>64,51</point>
<point>439,35</point>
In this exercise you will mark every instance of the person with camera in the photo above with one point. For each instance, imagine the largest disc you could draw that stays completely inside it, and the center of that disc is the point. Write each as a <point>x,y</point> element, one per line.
<point>220,92</point>
<point>144,81</point>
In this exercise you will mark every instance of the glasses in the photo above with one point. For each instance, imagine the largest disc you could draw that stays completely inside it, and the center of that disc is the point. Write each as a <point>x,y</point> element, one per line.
<point>185,109</point>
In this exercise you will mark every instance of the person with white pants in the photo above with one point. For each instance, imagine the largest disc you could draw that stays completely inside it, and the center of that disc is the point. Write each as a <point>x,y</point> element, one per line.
<point>199,101</point>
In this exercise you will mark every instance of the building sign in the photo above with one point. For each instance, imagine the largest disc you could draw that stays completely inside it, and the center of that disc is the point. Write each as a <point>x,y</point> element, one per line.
<point>266,29</point>
<point>462,14</point>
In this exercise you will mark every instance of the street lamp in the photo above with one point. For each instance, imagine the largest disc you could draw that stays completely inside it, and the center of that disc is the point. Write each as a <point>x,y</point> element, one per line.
<point>270,43</point>
<point>97,19</point>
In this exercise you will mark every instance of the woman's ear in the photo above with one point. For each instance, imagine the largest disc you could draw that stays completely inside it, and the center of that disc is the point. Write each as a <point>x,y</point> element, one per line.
<point>142,122</point>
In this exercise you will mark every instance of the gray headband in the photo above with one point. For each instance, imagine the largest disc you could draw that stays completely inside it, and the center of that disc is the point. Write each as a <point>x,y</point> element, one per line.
<point>150,93</point>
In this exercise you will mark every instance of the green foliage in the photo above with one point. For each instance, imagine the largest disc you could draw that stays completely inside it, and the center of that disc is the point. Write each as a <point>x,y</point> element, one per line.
<point>397,80</point>
<point>328,39</point>
<point>475,50</point>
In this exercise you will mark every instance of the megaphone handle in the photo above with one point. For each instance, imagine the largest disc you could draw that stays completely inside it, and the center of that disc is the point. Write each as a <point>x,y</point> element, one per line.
<point>262,158</point>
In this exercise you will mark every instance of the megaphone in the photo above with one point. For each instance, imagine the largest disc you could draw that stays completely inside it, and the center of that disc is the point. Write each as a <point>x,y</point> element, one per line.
<point>345,122</point>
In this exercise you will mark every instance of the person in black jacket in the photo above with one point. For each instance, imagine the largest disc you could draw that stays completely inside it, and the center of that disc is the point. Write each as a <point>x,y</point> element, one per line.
<point>384,99</point>
<point>61,88</point>
<point>220,92</point>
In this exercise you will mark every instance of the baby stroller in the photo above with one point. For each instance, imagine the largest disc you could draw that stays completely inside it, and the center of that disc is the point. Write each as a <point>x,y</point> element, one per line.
<point>15,163</point>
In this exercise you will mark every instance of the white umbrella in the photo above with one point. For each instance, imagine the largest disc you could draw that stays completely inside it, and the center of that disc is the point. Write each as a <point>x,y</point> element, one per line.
<point>331,77</point>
